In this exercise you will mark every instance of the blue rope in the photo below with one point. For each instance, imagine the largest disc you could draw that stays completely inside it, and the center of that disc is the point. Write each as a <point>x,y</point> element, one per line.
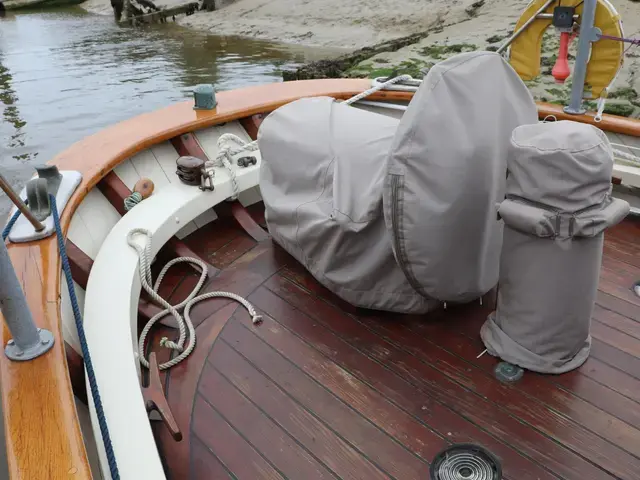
<point>97,402</point>
<point>104,429</point>
<point>7,229</point>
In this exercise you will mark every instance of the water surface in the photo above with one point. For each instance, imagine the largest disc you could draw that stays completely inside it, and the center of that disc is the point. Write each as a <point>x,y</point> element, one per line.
<point>65,74</point>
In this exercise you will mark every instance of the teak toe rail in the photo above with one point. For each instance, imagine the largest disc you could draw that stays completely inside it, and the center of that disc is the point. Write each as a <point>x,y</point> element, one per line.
<point>42,432</point>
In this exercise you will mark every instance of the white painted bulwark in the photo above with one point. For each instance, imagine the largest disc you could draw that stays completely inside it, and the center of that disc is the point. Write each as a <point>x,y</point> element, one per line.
<point>110,317</point>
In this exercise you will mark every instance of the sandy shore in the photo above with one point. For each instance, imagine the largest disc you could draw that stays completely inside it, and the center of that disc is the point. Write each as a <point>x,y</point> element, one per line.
<point>455,25</point>
<point>493,22</point>
<point>333,23</point>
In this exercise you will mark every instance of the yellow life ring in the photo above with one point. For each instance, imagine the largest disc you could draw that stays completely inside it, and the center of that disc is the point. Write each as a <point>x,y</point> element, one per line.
<point>606,55</point>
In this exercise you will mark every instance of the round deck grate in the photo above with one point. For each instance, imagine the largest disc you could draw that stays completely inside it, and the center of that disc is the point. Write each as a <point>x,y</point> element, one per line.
<point>465,462</point>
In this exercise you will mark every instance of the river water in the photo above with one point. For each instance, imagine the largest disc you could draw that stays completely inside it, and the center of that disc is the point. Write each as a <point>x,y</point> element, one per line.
<point>65,74</point>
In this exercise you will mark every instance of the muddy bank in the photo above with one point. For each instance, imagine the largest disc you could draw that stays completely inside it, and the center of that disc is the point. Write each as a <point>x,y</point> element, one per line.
<point>327,23</point>
<point>486,27</point>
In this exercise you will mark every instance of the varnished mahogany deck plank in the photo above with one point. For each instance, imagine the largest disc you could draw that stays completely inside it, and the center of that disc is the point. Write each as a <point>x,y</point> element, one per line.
<point>235,452</point>
<point>265,435</point>
<point>615,304</point>
<point>616,358</point>
<point>440,378</point>
<point>390,381</point>
<point>388,417</point>
<point>321,441</point>
<point>374,444</point>
<point>617,321</point>
<point>616,338</point>
<point>325,390</point>
<point>205,464</point>
<point>611,377</point>
<point>551,402</point>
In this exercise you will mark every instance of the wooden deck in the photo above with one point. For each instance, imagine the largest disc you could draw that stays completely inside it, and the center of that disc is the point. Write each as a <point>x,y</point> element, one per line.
<point>323,390</point>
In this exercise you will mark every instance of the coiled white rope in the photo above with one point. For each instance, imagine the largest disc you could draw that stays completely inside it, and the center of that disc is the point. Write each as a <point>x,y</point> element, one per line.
<point>184,324</point>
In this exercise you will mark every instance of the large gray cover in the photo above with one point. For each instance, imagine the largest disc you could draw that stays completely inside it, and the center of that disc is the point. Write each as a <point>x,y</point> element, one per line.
<point>321,179</point>
<point>558,205</point>
<point>446,172</point>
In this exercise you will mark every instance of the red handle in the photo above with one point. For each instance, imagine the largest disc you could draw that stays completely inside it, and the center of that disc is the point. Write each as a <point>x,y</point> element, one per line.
<point>561,69</point>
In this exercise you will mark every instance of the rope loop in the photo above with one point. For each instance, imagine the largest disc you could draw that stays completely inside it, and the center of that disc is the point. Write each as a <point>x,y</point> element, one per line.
<point>183,322</point>
<point>225,155</point>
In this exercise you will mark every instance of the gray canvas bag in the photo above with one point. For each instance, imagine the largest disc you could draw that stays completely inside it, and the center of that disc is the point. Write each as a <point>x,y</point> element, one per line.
<point>447,170</point>
<point>321,179</point>
<point>557,207</point>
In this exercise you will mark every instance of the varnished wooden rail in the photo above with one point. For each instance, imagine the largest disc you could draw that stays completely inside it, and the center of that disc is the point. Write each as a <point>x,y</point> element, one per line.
<point>42,431</point>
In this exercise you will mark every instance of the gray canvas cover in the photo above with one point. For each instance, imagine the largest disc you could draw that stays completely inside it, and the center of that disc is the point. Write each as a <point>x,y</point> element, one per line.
<point>557,207</point>
<point>321,179</point>
<point>447,170</point>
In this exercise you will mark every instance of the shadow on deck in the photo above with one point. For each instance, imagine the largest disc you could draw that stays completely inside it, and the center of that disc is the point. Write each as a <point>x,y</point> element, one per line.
<point>323,390</point>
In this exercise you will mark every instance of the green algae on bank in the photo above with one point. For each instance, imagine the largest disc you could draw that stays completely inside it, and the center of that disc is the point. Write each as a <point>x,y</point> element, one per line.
<point>486,31</point>
<point>623,100</point>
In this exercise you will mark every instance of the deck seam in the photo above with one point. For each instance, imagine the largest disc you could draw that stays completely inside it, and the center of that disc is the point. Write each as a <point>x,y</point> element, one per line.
<point>311,412</point>
<point>273,420</point>
<point>506,412</point>
<point>550,380</point>
<point>204,445</point>
<point>607,386</point>
<point>198,394</point>
<point>614,366</point>
<point>604,307</point>
<point>231,316</point>
<point>533,399</point>
<point>337,398</point>
<point>622,332</point>
<point>569,392</point>
<point>512,415</point>
<point>482,429</point>
<point>593,319</point>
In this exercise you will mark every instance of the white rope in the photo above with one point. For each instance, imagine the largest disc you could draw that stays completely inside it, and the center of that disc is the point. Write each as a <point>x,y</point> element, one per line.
<point>185,325</point>
<point>616,152</point>
<point>226,154</point>
<point>602,103</point>
<point>627,156</point>
<point>378,87</point>
<point>628,147</point>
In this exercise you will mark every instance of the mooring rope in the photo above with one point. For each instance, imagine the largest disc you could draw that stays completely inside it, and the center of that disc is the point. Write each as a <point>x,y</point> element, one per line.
<point>185,325</point>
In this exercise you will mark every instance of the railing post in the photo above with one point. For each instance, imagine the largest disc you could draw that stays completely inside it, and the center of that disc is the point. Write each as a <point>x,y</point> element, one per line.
<point>588,35</point>
<point>28,341</point>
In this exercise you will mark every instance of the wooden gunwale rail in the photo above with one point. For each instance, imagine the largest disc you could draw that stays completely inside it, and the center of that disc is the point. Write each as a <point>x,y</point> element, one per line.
<point>43,437</point>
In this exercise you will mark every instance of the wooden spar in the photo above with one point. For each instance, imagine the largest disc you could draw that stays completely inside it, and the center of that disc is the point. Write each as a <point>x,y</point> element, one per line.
<point>42,431</point>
